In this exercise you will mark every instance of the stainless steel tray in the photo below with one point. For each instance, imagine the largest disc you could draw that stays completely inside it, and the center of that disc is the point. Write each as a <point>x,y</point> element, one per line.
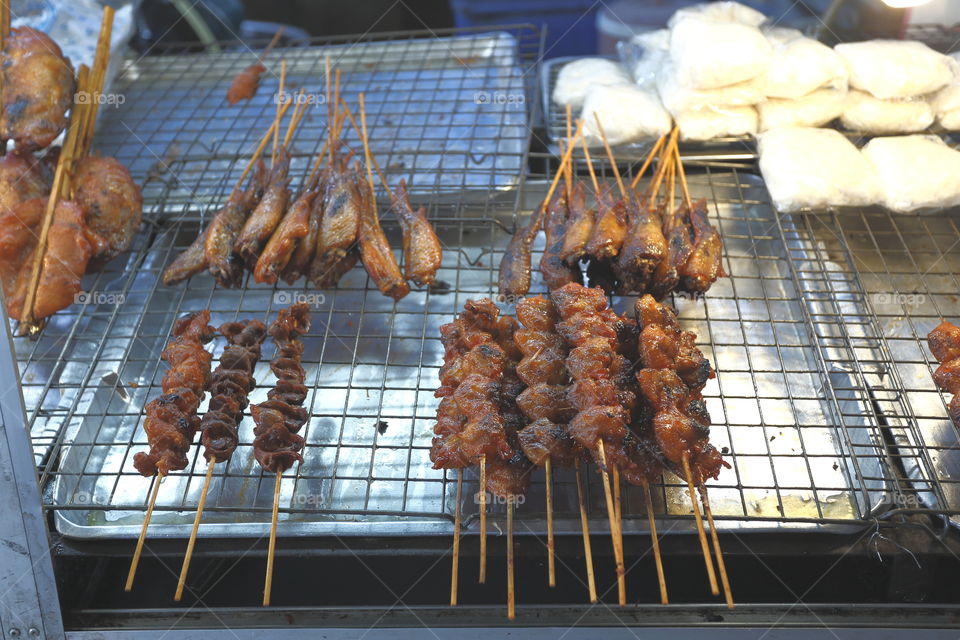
<point>800,433</point>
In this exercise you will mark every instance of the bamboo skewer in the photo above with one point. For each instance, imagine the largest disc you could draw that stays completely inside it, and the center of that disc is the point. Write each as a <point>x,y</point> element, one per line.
<point>613,162</point>
<point>367,156</point>
<point>568,171</point>
<point>593,176</point>
<point>4,22</point>
<point>483,520</point>
<point>721,566</point>
<point>272,547</point>
<point>585,529</point>
<point>683,183</point>
<point>511,594</point>
<point>182,580</point>
<point>298,110</point>
<point>665,160</point>
<point>551,560</point>
<point>655,541</point>
<point>614,530</point>
<point>455,569</point>
<point>646,163</point>
<point>281,99</point>
<point>263,143</point>
<point>617,505</point>
<point>371,160</point>
<point>135,561</point>
<point>711,575</point>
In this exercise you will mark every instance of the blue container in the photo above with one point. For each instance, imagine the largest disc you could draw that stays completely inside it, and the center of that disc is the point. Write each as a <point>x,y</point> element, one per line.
<point>570,24</point>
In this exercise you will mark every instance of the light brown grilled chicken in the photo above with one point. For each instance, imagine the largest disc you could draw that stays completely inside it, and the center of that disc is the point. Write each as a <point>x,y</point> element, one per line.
<point>22,176</point>
<point>579,227</point>
<point>704,266</point>
<point>421,247</point>
<point>515,264</point>
<point>340,222</point>
<point>113,202</point>
<point>225,265</point>
<point>265,217</point>
<point>375,251</point>
<point>37,89</point>
<point>19,229</point>
<point>302,256</point>
<point>283,243</point>
<point>610,227</point>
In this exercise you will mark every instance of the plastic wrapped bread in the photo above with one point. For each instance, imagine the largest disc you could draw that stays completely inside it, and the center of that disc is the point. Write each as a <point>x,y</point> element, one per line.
<point>726,11</point>
<point>946,103</point>
<point>576,78</point>
<point>800,66</point>
<point>867,114</point>
<point>711,122</point>
<point>649,51</point>
<point>806,168</point>
<point>627,113</point>
<point>896,68</point>
<point>678,98</point>
<point>916,172</point>
<point>707,54</point>
<point>813,110</point>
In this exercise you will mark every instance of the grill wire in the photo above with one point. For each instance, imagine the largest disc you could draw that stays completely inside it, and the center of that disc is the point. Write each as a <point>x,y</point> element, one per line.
<point>811,403</point>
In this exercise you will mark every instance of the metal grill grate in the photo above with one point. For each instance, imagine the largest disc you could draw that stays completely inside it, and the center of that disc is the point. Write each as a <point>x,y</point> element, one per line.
<point>797,350</point>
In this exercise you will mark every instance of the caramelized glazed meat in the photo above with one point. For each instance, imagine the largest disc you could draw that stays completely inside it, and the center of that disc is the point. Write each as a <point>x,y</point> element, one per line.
<point>22,177</point>
<point>515,265</point>
<point>610,227</point>
<point>643,250</point>
<point>554,270</point>
<point>663,345</point>
<point>703,266</point>
<point>375,251</point>
<point>171,420</point>
<point>307,245</point>
<point>19,226</point>
<point>231,382</point>
<point>579,227</point>
<point>542,440</point>
<point>421,247</point>
<point>944,343</point>
<point>280,248</point>
<point>666,277</point>
<point>267,214</point>
<point>340,224</point>
<point>113,202</point>
<point>37,89</point>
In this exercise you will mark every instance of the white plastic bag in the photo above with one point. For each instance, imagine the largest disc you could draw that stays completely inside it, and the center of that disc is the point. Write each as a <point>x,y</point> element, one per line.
<point>653,52</point>
<point>627,113</point>
<point>678,98</point>
<point>712,122</point>
<point>865,114</point>
<point>576,78</point>
<point>800,66</point>
<point>813,110</point>
<point>916,172</point>
<point>946,103</point>
<point>896,68</point>
<point>709,55</point>
<point>721,12</point>
<point>808,168</point>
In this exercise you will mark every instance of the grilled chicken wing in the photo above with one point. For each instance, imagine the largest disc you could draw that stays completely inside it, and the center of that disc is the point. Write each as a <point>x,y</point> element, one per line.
<point>113,202</point>
<point>421,247</point>
<point>610,227</point>
<point>267,214</point>
<point>579,227</point>
<point>339,226</point>
<point>643,250</point>
<point>703,267</point>
<point>666,277</point>
<point>554,270</point>
<point>292,229</point>
<point>226,225</point>
<point>515,264</point>
<point>375,251</point>
<point>37,89</point>
<point>245,83</point>
<point>303,253</point>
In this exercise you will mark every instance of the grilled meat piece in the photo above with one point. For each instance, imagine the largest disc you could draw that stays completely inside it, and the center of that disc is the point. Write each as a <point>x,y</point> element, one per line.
<point>280,248</point>
<point>19,226</point>
<point>189,263</point>
<point>277,444</point>
<point>703,267</point>
<point>22,177</point>
<point>554,270</point>
<point>643,250</point>
<point>245,83</point>
<point>422,254</point>
<point>375,251</point>
<point>37,89</point>
<point>542,440</point>
<point>307,245</point>
<point>113,201</point>
<point>944,341</point>
<point>515,265</point>
<point>171,419</point>
<point>663,345</point>
<point>610,227</point>
<point>220,237</point>
<point>666,277</point>
<point>579,228</point>
<point>267,214</point>
<point>600,274</point>
<point>340,223</point>
<point>231,382</point>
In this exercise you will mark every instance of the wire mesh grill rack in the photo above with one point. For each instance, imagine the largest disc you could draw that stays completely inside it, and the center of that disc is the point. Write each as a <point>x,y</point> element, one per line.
<point>798,404</point>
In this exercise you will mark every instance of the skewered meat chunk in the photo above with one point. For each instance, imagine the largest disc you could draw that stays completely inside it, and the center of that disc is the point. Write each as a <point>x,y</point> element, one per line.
<point>340,223</point>
<point>666,277</point>
<point>306,247</point>
<point>22,177</point>
<point>663,345</point>
<point>515,264</point>
<point>944,341</point>
<point>171,419</point>
<point>280,248</point>
<point>221,235</point>
<point>192,261</point>
<point>580,221</point>
<point>267,214</point>
<point>245,83</point>
<point>231,382</point>
<point>113,201</point>
<point>422,253</point>
<point>542,440</point>
<point>548,401</point>
<point>37,89</point>
<point>644,248</point>
<point>610,227</point>
<point>375,251</point>
<point>554,270</point>
<point>277,444</point>
<point>508,479</point>
<point>703,267</point>
<point>19,226</point>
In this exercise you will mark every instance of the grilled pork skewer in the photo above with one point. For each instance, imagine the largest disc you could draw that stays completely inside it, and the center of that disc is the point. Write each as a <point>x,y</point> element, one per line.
<point>944,343</point>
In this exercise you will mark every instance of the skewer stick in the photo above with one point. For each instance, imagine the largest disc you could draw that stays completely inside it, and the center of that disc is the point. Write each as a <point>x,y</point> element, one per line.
<point>331,125</point>
<point>367,156</point>
<point>666,158</point>
<point>511,594</point>
<point>683,183</point>
<point>272,548</point>
<point>613,162</point>
<point>4,22</point>
<point>273,43</point>
<point>483,520</point>
<point>711,576</point>
<point>182,580</point>
<point>551,561</point>
<point>586,157</point>
<point>655,541</point>
<point>281,99</point>
<point>568,172</point>
<point>298,110</point>
<point>371,160</point>
<point>455,570</point>
<point>263,143</point>
<point>724,579</point>
<point>585,528</point>
<point>135,561</point>
<point>563,163</point>
<point>614,531</point>
<point>649,159</point>
<point>617,504</point>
